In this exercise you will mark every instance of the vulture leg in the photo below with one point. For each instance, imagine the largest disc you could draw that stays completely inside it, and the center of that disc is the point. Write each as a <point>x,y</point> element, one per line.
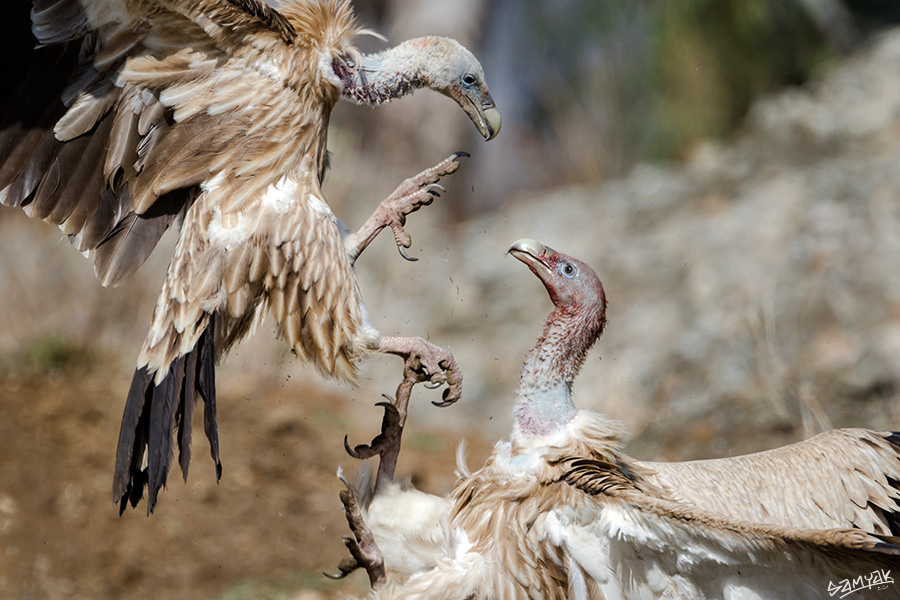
<point>386,444</point>
<point>421,356</point>
<point>410,196</point>
<point>424,362</point>
<point>364,552</point>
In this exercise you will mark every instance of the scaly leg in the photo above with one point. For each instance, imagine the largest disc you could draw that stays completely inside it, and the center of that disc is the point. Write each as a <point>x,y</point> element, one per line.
<point>410,196</point>
<point>424,362</point>
<point>364,552</point>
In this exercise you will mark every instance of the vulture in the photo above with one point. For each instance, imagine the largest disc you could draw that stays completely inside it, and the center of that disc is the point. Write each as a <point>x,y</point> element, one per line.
<point>560,511</point>
<point>130,116</point>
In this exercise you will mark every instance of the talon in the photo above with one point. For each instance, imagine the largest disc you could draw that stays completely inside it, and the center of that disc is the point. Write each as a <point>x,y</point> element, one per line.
<point>450,396</point>
<point>364,551</point>
<point>352,453</point>
<point>404,254</point>
<point>459,154</point>
<point>381,442</point>
<point>411,195</point>
<point>345,567</point>
<point>388,406</point>
<point>433,385</point>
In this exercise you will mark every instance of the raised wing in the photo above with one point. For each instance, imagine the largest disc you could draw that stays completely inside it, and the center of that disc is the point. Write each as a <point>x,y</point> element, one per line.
<point>624,543</point>
<point>841,478</point>
<point>127,105</point>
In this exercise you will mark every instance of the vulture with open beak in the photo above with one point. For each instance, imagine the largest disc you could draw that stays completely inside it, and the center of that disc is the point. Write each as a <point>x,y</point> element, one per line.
<point>560,511</point>
<point>131,114</point>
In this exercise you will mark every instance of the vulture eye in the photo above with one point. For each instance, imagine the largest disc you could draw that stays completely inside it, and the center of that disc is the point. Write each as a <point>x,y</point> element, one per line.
<point>569,270</point>
<point>469,80</point>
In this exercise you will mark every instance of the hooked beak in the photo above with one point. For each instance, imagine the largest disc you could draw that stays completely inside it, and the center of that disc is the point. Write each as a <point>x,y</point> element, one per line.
<point>534,255</point>
<point>484,115</point>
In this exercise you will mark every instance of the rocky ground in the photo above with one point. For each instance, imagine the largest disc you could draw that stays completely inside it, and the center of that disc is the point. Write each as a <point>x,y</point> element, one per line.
<point>755,299</point>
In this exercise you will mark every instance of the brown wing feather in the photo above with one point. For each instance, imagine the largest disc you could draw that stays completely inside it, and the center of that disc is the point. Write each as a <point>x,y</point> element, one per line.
<point>85,131</point>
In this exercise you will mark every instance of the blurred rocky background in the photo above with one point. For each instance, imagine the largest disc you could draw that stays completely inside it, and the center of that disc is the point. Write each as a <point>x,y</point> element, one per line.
<point>731,168</point>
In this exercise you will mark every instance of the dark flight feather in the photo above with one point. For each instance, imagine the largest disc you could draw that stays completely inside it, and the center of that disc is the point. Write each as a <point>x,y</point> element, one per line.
<point>132,240</point>
<point>153,412</point>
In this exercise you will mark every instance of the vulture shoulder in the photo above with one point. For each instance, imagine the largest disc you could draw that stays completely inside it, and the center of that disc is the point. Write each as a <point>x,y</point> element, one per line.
<point>128,106</point>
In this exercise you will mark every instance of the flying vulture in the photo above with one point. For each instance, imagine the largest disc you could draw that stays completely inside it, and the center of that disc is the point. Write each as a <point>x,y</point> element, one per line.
<point>560,511</point>
<point>133,114</point>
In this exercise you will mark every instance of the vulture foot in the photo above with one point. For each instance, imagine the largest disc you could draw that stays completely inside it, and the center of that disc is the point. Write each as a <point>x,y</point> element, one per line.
<point>410,196</point>
<point>424,362</point>
<point>364,552</point>
<point>386,444</point>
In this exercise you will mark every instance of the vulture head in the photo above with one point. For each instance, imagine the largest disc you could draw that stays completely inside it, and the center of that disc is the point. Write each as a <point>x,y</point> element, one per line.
<point>455,72</point>
<point>576,323</point>
<point>573,286</point>
<point>544,403</point>
<point>439,63</point>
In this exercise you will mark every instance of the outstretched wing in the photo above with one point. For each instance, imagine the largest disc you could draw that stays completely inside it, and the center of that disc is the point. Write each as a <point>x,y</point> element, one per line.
<point>126,105</point>
<point>841,478</point>
<point>621,541</point>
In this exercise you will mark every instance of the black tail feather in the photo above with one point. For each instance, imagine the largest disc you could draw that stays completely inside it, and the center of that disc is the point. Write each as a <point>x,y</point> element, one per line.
<point>128,484</point>
<point>162,422</point>
<point>206,385</point>
<point>184,415</point>
<point>153,412</point>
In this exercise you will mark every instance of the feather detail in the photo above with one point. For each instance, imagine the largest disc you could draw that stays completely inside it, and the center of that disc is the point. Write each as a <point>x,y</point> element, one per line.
<point>849,479</point>
<point>58,21</point>
<point>128,245</point>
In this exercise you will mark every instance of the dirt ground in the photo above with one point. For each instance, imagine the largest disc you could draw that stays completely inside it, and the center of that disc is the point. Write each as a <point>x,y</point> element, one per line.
<point>268,530</point>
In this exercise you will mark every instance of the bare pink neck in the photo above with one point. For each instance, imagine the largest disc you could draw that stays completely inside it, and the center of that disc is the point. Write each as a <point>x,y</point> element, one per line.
<point>544,401</point>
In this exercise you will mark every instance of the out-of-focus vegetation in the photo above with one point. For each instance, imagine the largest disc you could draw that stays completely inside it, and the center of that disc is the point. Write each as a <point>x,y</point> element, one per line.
<point>712,58</point>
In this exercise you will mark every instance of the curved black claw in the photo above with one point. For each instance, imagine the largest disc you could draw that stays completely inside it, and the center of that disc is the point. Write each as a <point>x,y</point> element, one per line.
<point>459,154</point>
<point>452,376</point>
<point>346,566</point>
<point>389,436</point>
<point>445,402</point>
